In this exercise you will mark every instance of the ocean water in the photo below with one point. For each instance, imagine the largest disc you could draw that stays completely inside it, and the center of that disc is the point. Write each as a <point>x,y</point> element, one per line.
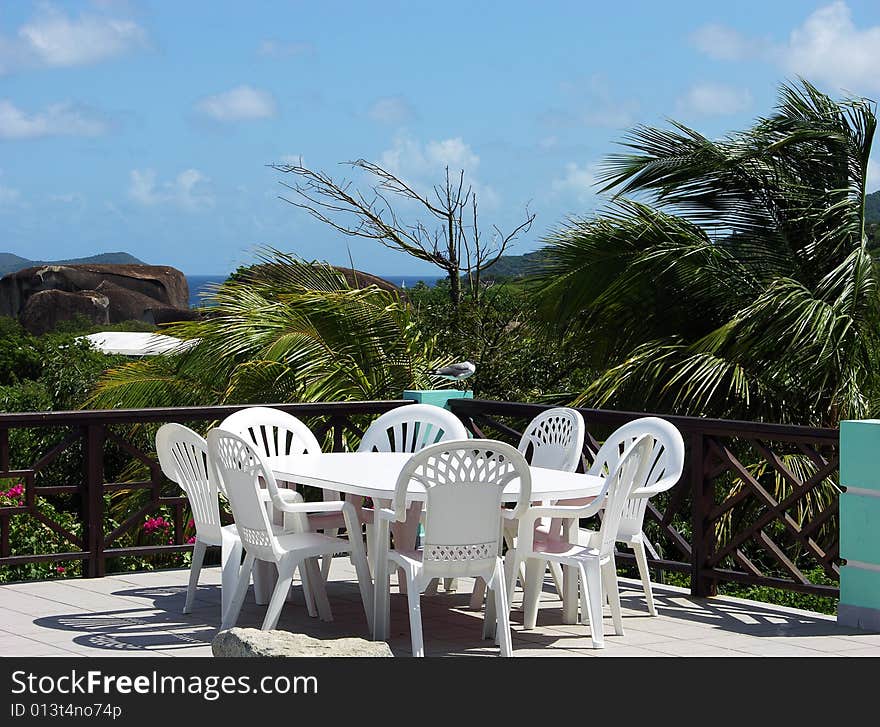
<point>199,284</point>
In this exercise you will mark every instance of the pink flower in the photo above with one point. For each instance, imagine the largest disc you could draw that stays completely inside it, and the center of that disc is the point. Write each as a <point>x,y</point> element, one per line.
<point>60,569</point>
<point>191,539</point>
<point>191,523</point>
<point>154,524</point>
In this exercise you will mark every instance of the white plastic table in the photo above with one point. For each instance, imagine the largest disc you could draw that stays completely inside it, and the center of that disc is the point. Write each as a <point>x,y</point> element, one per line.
<point>374,475</point>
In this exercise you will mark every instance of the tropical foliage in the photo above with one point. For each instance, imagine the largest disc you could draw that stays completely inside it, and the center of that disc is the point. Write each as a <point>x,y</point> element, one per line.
<point>730,277</point>
<point>283,331</point>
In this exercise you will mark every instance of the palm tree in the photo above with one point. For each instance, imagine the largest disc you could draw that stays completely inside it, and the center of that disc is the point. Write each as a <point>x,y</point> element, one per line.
<point>730,277</point>
<point>282,331</point>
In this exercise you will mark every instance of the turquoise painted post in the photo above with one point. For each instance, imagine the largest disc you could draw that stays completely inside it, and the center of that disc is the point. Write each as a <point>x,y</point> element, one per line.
<point>860,524</point>
<point>437,397</point>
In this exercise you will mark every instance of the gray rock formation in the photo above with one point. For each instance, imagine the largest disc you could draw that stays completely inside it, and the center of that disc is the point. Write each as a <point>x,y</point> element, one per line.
<point>254,642</point>
<point>149,293</point>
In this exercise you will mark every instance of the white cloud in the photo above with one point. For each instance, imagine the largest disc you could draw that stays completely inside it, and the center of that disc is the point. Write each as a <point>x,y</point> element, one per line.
<point>185,190</point>
<point>391,110</point>
<point>827,47</point>
<point>594,103</point>
<point>282,49</point>
<point>57,120</point>
<point>425,164</point>
<point>409,157</point>
<point>294,160</point>
<point>54,39</point>
<point>242,103</point>
<point>715,99</point>
<point>8,196</point>
<point>67,198</point>
<point>727,44</point>
<point>578,181</point>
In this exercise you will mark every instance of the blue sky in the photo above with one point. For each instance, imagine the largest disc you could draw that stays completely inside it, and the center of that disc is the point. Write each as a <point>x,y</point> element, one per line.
<point>146,126</point>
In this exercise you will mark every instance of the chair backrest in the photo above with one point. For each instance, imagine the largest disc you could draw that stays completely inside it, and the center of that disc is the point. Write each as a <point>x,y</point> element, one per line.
<point>183,457</point>
<point>632,466</point>
<point>667,463</point>
<point>411,428</point>
<point>240,467</point>
<point>272,432</point>
<point>464,481</point>
<point>554,439</point>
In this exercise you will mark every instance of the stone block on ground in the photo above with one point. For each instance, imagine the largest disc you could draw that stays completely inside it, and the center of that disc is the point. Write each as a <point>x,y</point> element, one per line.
<point>254,642</point>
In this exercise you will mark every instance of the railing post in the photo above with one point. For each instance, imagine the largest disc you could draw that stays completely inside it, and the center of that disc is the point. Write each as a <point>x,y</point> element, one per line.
<point>94,475</point>
<point>702,497</point>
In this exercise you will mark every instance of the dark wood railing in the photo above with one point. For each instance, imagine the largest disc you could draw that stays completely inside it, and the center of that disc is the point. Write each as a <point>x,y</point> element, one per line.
<point>84,441</point>
<point>756,504</point>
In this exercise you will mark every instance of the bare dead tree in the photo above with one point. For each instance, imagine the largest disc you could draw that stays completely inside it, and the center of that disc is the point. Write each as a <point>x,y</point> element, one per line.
<point>450,239</point>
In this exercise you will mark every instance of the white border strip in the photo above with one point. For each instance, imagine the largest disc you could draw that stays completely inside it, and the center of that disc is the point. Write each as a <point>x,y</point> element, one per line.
<point>862,566</point>
<point>862,491</point>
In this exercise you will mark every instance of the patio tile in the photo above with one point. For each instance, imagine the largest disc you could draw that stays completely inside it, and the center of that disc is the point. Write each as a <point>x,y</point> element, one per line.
<point>140,614</point>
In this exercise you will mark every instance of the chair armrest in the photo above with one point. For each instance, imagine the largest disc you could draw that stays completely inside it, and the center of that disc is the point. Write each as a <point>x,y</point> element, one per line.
<point>563,512</point>
<point>385,513</point>
<point>312,507</point>
<point>643,493</point>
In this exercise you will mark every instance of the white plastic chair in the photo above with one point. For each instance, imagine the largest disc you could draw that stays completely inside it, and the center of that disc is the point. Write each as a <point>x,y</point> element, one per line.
<point>464,482</point>
<point>183,457</point>
<point>667,463</point>
<point>554,439</point>
<point>410,429</point>
<point>241,469</point>
<point>276,433</point>
<point>593,565</point>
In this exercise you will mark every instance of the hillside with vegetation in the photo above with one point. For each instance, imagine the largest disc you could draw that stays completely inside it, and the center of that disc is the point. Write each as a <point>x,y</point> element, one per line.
<point>11,263</point>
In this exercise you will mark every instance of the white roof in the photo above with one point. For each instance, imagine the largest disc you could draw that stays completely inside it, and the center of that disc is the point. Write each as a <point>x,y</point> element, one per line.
<point>137,344</point>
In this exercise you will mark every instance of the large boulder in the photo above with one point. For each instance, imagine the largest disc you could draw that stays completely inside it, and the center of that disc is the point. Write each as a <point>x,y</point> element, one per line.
<point>149,293</point>
<point>131,305</point>
<point>254,642</point>
<point>45,309</point>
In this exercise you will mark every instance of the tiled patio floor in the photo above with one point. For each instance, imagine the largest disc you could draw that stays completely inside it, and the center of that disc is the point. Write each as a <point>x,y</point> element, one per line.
<point>139,614</point>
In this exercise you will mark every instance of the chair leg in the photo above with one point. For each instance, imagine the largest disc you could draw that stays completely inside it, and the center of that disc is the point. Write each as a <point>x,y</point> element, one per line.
<point>534,579</point>
<point>308,590</point>
<point>642,562</point>
<point>370,530</point>
<point>198,558</point>
<point>230,617</point>
<point>502,611</point>
<point>478,594</point>
<point>609,585</point>
<point>230,565</point>
<point>365,584</point>
<point>286,567</point>
<point>558,579</point>
<point>312,573</point>
<point>327,560</point>
<point>592,580</point>
<point>414,600</point>
<point>513,565</point>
